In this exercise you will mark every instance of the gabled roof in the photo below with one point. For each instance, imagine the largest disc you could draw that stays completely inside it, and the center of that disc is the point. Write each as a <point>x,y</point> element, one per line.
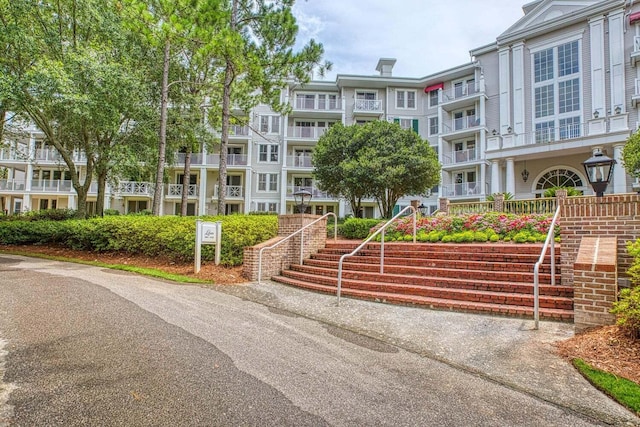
<point>544,15</point>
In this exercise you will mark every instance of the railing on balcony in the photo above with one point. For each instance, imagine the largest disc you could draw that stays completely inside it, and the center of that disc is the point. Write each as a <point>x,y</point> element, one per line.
<point>47,155</point>
<point>306,132</point>
<point>300,161</point>
<point>238,130</point>
<point>462,189</point>
<point>53,186</point>
<point>231,190</point>
<point>557,134</point>
<point>232,160</point>
<point>11,185</point>
<point>466,122</point>
<point>196,158</point>
<point>315,192</point>
<point>322,104</point>
<point>368,106</point>
<point>13,154</point>
<point>175,190</point>
<point>462,91</point>
<point>133,188</point>
<point>636,44</point>
<point>461,156</point>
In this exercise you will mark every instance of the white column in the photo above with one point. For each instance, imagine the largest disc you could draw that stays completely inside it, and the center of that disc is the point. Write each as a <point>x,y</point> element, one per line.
<point>598,73</point>
<point>616,56</point>
<point>483,178</point>
<point>248,191</point>
<point>619,172</point>
<point>283,192</point>
<point>504,89</point>
<point>495,177</point>
<point>510,177</point>
<point>202,191</point>
<point>518,91</point>
<point>72,202</point>
<point>31,159</point>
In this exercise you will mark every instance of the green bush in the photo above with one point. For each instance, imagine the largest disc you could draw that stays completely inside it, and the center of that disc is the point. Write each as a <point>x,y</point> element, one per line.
<point>168,236</point>
<point>358,228</point>
<point>42,215</point>
<point>108,212</point>
<point>627,311</point>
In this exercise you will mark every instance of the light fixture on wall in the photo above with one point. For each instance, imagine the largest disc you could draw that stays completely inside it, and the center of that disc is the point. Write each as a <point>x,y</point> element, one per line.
<point>525,172</point>
<point>494,132</point>
<point>596,114</point>
<point>618,109</point>
<point>509,129</point>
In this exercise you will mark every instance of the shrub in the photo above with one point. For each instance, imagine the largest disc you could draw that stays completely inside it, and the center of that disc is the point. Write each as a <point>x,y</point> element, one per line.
<point>358,228</point>
<point>627,311</point>
<point>108,212</point>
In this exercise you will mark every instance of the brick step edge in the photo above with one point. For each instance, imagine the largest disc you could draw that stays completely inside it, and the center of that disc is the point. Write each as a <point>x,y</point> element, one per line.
<point>522,248</point>
<point>457,294</point>
<point>470,284</point>
<point>509,275</point>
<point>489,257</point>
<point>433,303</point>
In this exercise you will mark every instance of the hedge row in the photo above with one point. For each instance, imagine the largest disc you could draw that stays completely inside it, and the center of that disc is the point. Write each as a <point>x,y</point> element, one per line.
<point>168,236</point>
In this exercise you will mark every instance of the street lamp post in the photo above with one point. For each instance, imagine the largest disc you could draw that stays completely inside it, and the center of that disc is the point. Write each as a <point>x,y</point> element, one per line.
<point>424,210</point>
<point>599,169</point>
<point>302,199</point>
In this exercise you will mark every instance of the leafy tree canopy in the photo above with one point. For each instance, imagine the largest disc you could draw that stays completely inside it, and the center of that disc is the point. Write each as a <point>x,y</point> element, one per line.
<point>631,155</point>
<point>379,160</point>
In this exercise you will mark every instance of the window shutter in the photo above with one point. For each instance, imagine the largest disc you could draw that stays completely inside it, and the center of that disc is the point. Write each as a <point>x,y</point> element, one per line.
<point>414,124</point>
<point>396,210</point>
<point>396,120</point>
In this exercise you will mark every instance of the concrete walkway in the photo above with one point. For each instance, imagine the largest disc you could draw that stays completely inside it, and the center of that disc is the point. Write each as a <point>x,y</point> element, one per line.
<point>507,351</point>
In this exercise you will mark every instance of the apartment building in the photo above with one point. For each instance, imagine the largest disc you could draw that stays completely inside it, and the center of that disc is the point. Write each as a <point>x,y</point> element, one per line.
<point>561,83</point>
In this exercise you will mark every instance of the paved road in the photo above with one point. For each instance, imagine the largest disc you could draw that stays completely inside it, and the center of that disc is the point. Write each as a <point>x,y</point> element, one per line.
<point>87,346</point>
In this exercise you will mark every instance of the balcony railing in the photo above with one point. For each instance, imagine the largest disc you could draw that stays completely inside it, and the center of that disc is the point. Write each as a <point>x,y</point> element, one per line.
<point>462,189</point>
<point>306,132</point>
<point>462,91</point>
<point>232,160</point>
<point>48,155</point>
<point>41,155</point>
<point>300,161</point>
<point>175,190</point>
<point>461,156</point>
<point>232,191</point>
<point>196,158</point>
<point>466,122</point>
<point>133,188</point>
<point>320,104</point>
<point>238,130</point>
<point>53,186</point>
<point>315,192</point>
<point>367,106</point>
<point>11,185</point>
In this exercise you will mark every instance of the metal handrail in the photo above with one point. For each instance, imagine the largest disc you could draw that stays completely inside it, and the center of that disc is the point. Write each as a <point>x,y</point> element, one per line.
<point>335,237</point>
<point>363,244</point>
<point>536,269</point>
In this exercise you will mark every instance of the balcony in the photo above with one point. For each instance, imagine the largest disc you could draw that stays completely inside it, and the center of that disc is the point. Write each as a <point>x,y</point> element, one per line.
<point>635,53</point>
<point>175,190</point>
<point>11,185</point>
<point>317,107</point>
<point>635,98</point>
<point>462,126</point>
<point>306,132</point>
<point>368,107</point>
<point>41,155</point>
<point>300,161</point>
<point>459,157</point>
<point>132,188</point>
<point>462,95</point>
<point>54,186</point>
<point>232,191</point>
<point>196,159</point>
<point>237,131</point>
<point>232,160</point>
<point>463,189</point>
<point>315,192</point>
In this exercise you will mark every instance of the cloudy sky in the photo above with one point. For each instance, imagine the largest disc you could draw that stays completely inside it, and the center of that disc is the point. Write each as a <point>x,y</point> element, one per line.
<point>425,36</point>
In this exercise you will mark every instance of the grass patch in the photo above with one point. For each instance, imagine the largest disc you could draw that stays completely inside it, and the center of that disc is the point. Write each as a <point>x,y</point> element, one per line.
<point>624,391</point>
<point>151,272</point>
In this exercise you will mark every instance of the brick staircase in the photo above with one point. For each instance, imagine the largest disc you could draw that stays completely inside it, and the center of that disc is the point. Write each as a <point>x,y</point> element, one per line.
<point>484,278</point>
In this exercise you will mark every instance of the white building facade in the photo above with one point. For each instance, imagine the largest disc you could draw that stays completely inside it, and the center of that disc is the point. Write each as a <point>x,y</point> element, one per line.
<point>557,86</point>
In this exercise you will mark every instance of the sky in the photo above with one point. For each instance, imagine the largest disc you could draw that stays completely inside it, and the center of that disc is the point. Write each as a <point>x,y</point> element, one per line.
<point>425,36</point>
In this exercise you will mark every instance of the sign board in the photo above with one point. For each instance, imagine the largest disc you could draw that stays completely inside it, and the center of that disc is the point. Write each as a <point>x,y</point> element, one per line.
<point>207,233</point>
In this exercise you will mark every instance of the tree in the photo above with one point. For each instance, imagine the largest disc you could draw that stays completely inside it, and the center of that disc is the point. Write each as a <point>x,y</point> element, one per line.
<point>66,68</point>
<point>631,155</point>
<point>256,51</point>
<point>377,159</point>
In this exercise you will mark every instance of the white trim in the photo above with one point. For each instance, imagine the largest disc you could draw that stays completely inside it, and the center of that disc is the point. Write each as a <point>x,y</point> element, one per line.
<point>406,99</point>
<point>555,41</point>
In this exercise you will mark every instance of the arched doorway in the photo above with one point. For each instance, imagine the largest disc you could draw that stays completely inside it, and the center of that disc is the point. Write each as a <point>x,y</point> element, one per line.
<point>558,177</point>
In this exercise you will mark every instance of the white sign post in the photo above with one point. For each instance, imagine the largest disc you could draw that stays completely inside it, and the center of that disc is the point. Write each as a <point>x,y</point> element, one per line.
<point>207,233</point>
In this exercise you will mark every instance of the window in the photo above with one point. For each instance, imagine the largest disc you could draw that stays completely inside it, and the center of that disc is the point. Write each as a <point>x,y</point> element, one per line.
<point>268,153</point>
<point>305,101</point>
<point>268,182</point>
<point>135,206</point>
<point>302,157</point>
<point>433,98</point>
<point>367,101</point>
<point>406,99</point>
<point>327,102</point>
<point>433,125</point>
<point>270,124</point>
<point>559,178</point>
<point>267,207</point>
<point>305,129</point>
<point>193,178</point>
<point>412,124</point>
<point>557,93</point>
<point>465,119</point>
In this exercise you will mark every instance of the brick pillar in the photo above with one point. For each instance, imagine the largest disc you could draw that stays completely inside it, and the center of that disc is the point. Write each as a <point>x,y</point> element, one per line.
<point>595,277</point>
<point>498,202</point>
<point>443,205</point>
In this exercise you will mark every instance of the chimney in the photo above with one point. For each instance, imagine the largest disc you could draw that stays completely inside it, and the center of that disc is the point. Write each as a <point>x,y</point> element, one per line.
<point>385,66</point>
